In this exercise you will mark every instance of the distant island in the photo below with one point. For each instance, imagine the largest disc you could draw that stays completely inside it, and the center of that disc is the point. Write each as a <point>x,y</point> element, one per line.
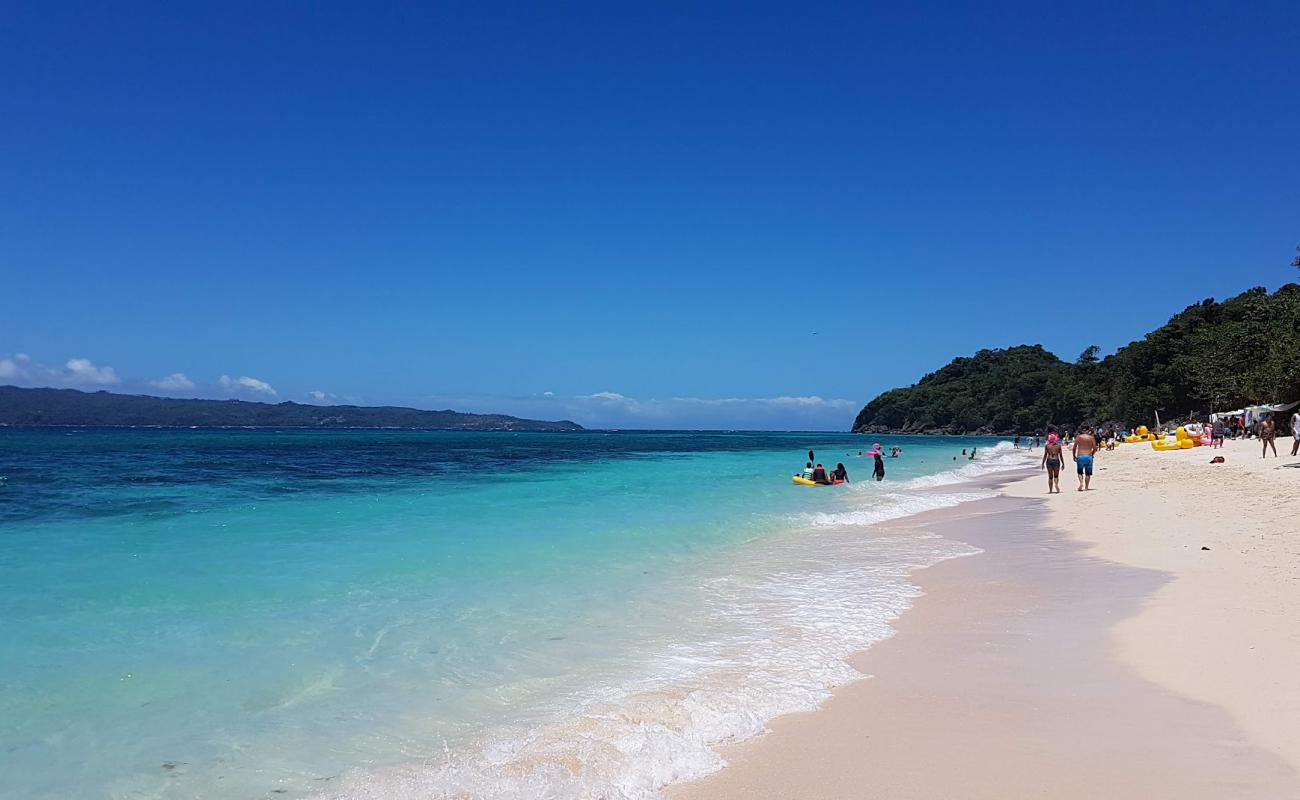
<point>19,406</point>
<point>1209,357</point>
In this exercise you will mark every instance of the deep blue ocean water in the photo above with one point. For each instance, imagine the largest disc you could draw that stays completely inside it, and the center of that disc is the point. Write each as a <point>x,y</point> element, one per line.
<point>235,614</point>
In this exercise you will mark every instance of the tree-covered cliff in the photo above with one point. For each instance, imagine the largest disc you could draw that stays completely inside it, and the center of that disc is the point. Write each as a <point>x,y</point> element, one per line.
<point>1210,356</point>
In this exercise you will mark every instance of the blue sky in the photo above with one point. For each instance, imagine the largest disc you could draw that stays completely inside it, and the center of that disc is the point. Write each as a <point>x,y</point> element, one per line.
<point>650,215</point>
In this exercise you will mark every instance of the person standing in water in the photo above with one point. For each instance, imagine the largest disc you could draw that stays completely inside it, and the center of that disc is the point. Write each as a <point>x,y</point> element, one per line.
<point>879,473</point>
<point>1084,450</point>
<point>840,473</point>
<point>1052,457</point>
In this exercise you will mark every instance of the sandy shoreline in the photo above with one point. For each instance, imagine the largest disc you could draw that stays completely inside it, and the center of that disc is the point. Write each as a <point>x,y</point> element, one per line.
<point>1093,650</point>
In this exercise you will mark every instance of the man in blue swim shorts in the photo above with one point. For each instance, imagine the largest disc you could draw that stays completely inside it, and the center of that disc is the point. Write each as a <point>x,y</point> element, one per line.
<point>1084,450</point>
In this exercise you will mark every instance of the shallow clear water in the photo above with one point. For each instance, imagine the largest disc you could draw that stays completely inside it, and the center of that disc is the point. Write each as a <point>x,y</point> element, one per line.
<point>234,614</point>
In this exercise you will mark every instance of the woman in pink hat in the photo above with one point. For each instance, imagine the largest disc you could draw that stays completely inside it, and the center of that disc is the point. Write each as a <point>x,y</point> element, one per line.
<point>1052,458</point>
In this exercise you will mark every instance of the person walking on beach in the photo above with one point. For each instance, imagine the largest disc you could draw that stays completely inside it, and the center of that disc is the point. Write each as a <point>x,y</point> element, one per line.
<point>1295,432</point>
<point>1267,433</point>
<point>1052,457</point>
<point>1216,434</point>
<point>1084,450</point>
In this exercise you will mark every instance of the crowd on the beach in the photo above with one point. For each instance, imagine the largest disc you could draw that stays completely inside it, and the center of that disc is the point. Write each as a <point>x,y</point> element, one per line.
<point>1086,443</point>
<point>1264,429</point>
<point>1083,446</point>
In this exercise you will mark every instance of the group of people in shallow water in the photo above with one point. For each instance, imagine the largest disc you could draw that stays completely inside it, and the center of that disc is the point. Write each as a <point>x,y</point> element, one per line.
<point>818,473</point>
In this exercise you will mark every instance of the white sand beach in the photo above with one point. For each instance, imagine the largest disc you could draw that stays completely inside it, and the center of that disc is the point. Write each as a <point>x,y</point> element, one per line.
<point>1226,628</point>
<point>1096,648</point>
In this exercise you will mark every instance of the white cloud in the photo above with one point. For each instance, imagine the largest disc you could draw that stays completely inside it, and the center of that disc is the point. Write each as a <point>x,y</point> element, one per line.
<point>614,409</point>
<point>21,369</point>
<point>611,409</point>
<point>247,385</point>
<point>812,401</point>
<point>322,397</point>
<point>80,371</point>
<point>174,382</point>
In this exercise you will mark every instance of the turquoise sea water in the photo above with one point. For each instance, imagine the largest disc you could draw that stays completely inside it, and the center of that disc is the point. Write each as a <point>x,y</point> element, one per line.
<point>243,614</point>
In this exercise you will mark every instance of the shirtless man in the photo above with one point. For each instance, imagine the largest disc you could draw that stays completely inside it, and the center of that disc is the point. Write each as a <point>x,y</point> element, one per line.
<point>1267,433</point>
<point>1052,458</point>
<point>1084,450</point>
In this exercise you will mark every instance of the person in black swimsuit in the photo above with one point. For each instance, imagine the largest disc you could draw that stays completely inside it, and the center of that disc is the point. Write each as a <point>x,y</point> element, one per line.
<point>1052,458</point>
<point>879,473</point>
<point>840,473</point>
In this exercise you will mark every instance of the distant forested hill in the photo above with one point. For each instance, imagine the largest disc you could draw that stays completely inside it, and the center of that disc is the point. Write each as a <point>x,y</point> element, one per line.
<point>1211,356</point>
<point>70,407</point>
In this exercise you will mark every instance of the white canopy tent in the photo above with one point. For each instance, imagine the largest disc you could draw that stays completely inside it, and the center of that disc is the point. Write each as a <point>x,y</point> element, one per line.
<point>1253,413</point>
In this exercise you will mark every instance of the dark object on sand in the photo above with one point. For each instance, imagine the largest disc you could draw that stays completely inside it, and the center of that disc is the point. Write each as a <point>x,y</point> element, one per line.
<point>1216,460</point>
<point>1203,547</point>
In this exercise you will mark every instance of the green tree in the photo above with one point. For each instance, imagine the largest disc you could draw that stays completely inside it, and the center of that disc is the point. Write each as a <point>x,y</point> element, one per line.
<point>1208,356</point>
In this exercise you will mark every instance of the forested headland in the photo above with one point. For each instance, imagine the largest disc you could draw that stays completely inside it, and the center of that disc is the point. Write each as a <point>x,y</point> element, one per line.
<point>1212,356</point>
<point>19,406</point>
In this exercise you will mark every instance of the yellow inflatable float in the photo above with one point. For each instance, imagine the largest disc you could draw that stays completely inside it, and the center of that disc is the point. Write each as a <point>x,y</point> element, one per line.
<point>1182,441</point>
<point>1141,435</point>
<point>800,480</point>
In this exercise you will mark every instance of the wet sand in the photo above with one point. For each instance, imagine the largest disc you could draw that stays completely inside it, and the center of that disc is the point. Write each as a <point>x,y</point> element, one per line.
<point>1003,682</point>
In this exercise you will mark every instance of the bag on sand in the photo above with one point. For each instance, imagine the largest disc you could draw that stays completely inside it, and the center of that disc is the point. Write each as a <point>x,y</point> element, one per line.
<point>1216,460</point>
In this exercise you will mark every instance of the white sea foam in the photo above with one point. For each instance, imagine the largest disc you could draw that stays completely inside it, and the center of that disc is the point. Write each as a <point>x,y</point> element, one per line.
<point>894,505</point>
<point>783,616</point>
<point>1001,457</point>
<point>785,623</point>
